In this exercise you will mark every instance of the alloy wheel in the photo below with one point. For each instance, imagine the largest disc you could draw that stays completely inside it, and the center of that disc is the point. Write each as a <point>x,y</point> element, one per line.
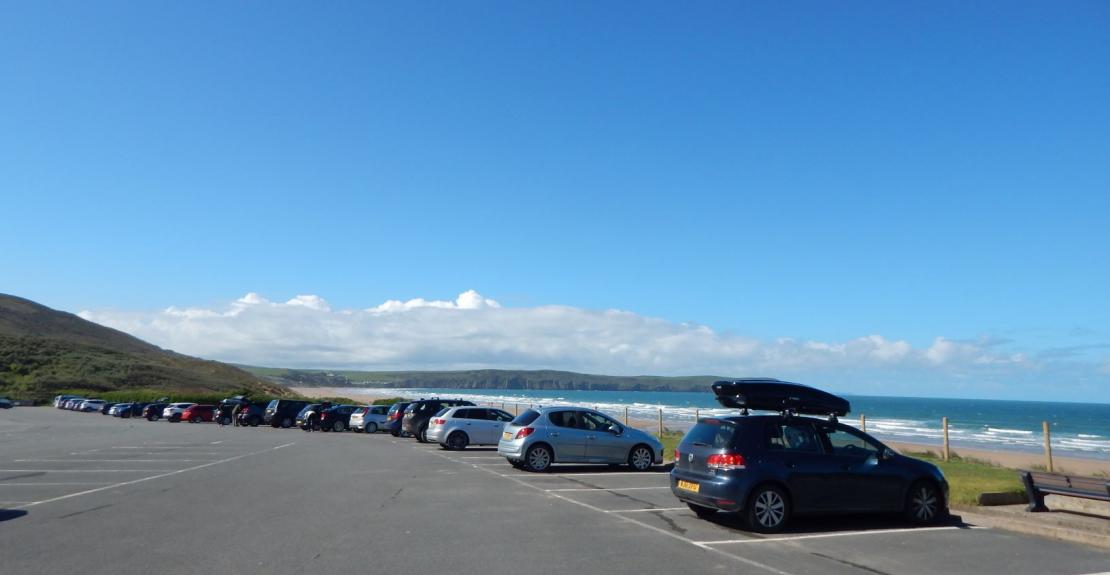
<point>923,503</point>
<point>640,459</point>
<point>770,509</point>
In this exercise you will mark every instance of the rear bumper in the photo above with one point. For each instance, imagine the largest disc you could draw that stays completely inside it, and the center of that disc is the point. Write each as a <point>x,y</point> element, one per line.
<point>511,449</point>
<point>728,495</point>
<point>435,434</point>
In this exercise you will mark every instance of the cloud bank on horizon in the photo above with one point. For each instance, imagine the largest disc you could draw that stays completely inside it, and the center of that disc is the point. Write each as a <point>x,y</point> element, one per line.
<point>474,331</point>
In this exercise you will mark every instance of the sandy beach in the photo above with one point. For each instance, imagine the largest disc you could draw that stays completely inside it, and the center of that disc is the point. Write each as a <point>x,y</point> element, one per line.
<point>1010,459</point>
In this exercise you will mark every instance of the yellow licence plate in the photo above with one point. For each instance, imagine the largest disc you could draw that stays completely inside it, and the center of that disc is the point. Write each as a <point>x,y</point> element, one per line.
<point>688,486</point>
<point>507,436</point>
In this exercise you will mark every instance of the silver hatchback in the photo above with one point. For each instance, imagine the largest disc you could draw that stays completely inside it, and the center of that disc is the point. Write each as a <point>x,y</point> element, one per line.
<point>539,437</point>
<point>457,427</point>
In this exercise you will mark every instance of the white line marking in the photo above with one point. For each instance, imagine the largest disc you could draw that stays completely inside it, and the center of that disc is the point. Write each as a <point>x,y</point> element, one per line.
<point>486,457</point>
<point>216,442</point>
<point>610,474</point>
<point>132,482</point>
<point>604,489</point>
<point>4,484</point>
<point>80,470</point>
<point>110,460</point>
<point>840,534</point>
<point>646,511</point>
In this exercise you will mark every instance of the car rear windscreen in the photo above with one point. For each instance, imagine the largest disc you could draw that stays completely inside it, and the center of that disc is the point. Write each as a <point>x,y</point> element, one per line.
<point>716,433</point>
<point>526,417</point>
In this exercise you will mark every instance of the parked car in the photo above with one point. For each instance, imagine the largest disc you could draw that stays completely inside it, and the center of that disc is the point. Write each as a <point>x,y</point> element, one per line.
<point>60,401</point>
<point>308,418</point>
<point>370,418</point>
<point>115,409</point>
<point>6,403</point>
<point>153,411</point>
<point>136,410</point>
<point>173,411</point>
<point>251,413</point>
<point>199,413</point>
<point>458,427</point>
<point>91,405</point>
<point>282,412</point>
<point>337,418</point>
<point>770,468</point>
<point>395,417</point>
<point>107,406</point>
<point>539,437</point>
<point>418,413</point>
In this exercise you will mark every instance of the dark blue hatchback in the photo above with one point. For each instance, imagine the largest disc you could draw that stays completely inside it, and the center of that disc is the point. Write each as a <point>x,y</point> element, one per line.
<point>771,467</point>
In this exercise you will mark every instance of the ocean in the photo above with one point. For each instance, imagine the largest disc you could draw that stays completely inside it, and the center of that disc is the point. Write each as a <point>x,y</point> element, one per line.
<point>1078,429</point>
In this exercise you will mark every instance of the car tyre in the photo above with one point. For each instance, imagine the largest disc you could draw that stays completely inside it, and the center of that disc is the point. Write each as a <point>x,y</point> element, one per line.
<point>768,509</point>
<point>286,423</point>
<point>457,441</point>
<point>371,427</point>
<point>254,421</point>
<point>640,458</point>
<point>194,419</point>
<point>395,433</point>
<point>338,426</point>
<point>924,503</point>
<point>422,434</point>
<point>702,512</point>
<point>538,459</point>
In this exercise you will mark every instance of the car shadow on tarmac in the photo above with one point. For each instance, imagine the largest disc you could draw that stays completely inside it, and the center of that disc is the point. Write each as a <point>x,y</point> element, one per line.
<point>6,514</point>
<point>567,469</point>
<point>814,524</point>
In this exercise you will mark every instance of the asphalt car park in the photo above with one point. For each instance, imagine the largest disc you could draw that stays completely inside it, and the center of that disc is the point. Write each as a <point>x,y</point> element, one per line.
<point>178,498</point>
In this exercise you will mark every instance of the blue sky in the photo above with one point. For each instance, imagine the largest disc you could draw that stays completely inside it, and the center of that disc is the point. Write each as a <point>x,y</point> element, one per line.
<point>814,171</point>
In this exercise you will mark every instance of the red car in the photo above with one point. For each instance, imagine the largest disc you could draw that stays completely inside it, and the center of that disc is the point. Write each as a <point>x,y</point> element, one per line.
<point>199,413</point>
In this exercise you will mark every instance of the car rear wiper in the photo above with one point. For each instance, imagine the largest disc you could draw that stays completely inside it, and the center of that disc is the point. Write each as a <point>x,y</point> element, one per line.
<point>701,444</point>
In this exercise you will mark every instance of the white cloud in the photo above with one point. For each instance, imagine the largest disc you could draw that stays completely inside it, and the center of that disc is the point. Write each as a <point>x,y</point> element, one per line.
<point>474,331</point>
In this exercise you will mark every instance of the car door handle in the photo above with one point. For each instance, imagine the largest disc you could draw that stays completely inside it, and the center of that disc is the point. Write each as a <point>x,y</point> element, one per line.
<point>554,434</point>
<point>591,437</point>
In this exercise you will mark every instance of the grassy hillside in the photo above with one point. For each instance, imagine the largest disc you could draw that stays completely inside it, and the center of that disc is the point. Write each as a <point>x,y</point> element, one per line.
<point>483,379</point>
<point>44,352</point>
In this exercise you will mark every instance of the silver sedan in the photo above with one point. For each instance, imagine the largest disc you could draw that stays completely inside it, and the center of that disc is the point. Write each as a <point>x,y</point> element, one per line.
<point>539,437</point>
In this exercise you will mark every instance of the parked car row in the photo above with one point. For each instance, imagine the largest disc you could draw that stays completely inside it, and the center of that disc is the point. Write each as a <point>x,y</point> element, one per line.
<point>766,468</point>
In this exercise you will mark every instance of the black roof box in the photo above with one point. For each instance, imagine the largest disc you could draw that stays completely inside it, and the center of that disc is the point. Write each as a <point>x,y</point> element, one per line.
<point>775,395</point>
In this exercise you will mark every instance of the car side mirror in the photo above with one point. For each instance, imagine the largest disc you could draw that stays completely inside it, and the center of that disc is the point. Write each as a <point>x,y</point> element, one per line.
<point>615,429</point>
<point>886,454</point>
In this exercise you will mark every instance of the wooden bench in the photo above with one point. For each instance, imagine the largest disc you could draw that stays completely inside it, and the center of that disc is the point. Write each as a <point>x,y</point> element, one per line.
<point>1040,483</point>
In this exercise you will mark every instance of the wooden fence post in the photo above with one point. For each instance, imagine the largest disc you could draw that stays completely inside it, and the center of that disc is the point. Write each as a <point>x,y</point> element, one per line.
<point>660,422</point>
<point>863,422</point>
<point>944,426</point>
<point>626,415</point>
<point>1047,445</point>
<point>697,415</point>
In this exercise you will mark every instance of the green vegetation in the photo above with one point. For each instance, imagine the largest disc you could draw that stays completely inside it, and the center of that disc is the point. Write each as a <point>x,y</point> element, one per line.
<point>44,352</point>
<point>968,477</point>
<point>387,401</point>
<point>481,379</point>
<point>152,395</point>
<point>670,440</point>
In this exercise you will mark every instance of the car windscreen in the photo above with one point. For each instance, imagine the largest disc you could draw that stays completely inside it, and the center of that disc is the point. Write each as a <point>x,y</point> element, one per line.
<point>273,404</point>
<point>526,417</point>
<point>442,411</point>
<point>716,433</point>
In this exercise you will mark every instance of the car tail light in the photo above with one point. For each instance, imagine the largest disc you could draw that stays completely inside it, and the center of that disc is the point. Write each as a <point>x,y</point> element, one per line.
<point>438,421</point>
<point>524,432</point>
<point>725,461</point>
<point>676,454</point>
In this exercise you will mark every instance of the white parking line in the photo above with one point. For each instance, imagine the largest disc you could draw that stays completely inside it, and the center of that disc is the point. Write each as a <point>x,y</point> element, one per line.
<point>109,460</point>
<point>502,459</point>
<point>6,484</point>
<point>840,534</point>
<point>604,489</point>
<point>80,470</point>
<point>610,474</point>
<point>645,511</point>
<point>134,481</point>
